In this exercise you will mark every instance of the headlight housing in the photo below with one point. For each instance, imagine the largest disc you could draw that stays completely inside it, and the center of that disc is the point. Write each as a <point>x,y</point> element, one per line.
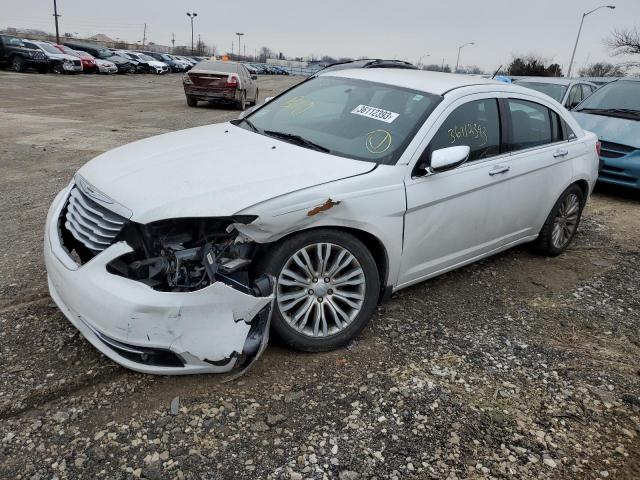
<point>186,79</point>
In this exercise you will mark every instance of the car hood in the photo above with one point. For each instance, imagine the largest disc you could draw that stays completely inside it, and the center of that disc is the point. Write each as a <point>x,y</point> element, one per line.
<point>60,56</point>
<point>156,63</point>
<point>215,170</point>
<point>611,129</point>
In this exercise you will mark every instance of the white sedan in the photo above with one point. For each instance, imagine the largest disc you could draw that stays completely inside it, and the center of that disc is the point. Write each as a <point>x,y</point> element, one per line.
<point>178,253</point>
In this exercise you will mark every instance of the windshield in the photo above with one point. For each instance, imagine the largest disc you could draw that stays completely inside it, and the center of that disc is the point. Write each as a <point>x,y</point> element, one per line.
<point>166,58</point>
<point>554,90</point>
<point>104,53</point>
<point>146,58</point>
<point>622,95</point>
<point>49,48</point>
<point>346,117</point>
<point>85,54</point>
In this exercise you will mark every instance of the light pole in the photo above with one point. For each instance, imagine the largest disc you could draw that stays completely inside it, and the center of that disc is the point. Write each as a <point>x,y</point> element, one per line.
<point>239,34</point>
<point>192,16</point>
<point>580,31</point>
<point>460,48</point>
<point>425,55</point>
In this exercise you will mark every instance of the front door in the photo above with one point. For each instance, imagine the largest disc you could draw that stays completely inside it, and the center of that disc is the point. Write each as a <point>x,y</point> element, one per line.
<point>452,216</point>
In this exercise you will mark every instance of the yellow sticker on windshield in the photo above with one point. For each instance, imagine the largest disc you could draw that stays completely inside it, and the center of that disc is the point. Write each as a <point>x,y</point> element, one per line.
<point>298,105</point>
<point>378,141</point>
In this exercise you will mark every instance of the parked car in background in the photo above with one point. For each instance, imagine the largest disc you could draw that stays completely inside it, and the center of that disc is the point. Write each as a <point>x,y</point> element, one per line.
<point>167,59</point>
<point>188,60</point>
<point>613,113</point>
<point>58,62</point>
<point>150,64</point>
<point>89,63</point>
<point>15,55</point>
<point>98,51</point>
<point>565,91</point>
<point>308,213</point>
<point>228,82</point>
<point>369,63</point>
<point>185,65</point>
<point>102,66</point>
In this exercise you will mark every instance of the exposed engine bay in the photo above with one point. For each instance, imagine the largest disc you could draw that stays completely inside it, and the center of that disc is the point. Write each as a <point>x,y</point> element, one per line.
<point>184,255</point>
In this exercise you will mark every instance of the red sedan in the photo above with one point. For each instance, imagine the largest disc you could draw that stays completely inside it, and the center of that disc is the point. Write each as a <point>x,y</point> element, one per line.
<point>88,62</point>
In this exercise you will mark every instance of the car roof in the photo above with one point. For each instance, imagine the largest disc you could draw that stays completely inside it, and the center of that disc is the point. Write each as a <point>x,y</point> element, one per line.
<point>554,80</point>
<point>433,82</point>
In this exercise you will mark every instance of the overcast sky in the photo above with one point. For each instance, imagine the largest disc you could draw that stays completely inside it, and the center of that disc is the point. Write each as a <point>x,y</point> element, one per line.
<point>405,29</point>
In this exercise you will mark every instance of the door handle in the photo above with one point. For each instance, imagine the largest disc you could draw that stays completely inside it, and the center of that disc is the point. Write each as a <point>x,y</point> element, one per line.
<point>499,169</point>
<point>560,153</point>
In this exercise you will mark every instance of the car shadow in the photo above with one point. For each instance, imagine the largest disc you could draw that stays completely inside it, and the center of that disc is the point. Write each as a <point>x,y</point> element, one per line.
<point>617,192</point>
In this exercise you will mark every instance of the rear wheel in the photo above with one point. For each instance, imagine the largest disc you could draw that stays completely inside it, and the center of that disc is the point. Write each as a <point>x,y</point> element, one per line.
<point>191,101</point>
<point>255,100</point>
<point>242,103</point>
<point>562,223</point>
<point>17,64</point>
<point>327,288</point>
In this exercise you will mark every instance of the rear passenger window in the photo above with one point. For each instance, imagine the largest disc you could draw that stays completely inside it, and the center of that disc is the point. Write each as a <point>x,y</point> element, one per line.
<point>476,124</point>
<point>532,125</point>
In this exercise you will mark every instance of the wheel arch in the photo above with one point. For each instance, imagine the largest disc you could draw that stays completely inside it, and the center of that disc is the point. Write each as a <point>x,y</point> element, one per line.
<point>370,241</point>
<point>584,186</point>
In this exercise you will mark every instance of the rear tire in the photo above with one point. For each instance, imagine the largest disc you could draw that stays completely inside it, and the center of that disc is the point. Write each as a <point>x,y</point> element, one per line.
<point>255,100</point>
<point>242,103</point>
<point>562,223</point>
<point>191,101</point>
<point>344,304</point>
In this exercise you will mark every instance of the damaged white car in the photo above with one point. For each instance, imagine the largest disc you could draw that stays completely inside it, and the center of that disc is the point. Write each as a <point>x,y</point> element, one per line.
<point>175,254</point>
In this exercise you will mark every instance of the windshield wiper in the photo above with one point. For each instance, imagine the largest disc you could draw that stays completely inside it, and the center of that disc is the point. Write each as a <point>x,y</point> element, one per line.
<point>297,139</point>
<point>626,112</point>
<point>248,122</point>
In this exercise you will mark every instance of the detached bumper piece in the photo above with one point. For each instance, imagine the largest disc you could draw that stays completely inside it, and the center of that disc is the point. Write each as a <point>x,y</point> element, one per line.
<point>218,328</point>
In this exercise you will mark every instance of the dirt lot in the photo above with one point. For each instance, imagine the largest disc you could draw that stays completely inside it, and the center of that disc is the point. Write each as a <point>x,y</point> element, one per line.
<point>518,366</point>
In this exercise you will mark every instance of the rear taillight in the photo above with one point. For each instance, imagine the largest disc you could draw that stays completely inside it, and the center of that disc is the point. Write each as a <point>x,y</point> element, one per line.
<point>232,81</point>
<point>598,147</point>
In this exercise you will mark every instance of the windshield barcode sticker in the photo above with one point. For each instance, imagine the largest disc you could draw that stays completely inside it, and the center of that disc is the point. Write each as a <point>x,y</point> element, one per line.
<point>375,113</point>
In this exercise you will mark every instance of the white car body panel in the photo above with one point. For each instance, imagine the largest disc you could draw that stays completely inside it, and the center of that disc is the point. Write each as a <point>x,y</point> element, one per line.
<point>209,159</point>
<point>105,66</point>
<point>425,225</point>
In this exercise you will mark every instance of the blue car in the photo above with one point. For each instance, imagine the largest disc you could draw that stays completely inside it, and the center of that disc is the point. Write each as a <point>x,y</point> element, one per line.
<point>613,113</point>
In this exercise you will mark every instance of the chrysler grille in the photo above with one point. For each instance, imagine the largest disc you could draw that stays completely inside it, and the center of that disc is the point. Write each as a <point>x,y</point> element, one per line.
<point>90,223</point>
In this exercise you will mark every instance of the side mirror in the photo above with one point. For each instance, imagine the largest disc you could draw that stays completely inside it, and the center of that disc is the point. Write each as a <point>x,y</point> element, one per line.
<point>254,77</point>
<point>449,158</point>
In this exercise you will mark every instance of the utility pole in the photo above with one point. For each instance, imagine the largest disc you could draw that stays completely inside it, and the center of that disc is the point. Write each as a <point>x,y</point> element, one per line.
<point>144,35</point>
<point>173,42</point>
<point>199,45</point>
<point>239,34</point>
<point>55,15</point>
<point>580,31</point>
<point>192,16</point>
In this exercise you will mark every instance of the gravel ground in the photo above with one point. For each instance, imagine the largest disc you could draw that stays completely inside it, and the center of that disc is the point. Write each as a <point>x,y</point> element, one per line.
<point>518,366</point>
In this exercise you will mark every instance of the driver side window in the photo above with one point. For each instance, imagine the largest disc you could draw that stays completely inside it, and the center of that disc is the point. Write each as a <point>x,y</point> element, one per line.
<point>476,124</point>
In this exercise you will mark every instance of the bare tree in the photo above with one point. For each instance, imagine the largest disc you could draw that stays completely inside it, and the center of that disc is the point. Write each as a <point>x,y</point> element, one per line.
<point>602,69</point>
<point>624,42</point>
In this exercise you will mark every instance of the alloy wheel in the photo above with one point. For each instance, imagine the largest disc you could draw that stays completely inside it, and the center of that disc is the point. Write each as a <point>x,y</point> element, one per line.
<point>566,221</point>
<point>321,289</point>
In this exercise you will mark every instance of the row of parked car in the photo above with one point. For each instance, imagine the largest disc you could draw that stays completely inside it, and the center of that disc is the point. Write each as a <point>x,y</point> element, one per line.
<point>74,56</point>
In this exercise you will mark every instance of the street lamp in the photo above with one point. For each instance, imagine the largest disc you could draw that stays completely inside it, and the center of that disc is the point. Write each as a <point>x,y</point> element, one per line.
<point>580,30</point>
<point>192,16</point>
<point>425,55</point>
<point>239,34</point>
<point>460,48</point>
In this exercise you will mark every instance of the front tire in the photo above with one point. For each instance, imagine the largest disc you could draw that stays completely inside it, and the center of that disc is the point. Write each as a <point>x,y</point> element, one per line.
<point>57,68</point>
<point>562,223</point>
<point>327,289</point>
<point>191,101</point>
<point>17,64</point>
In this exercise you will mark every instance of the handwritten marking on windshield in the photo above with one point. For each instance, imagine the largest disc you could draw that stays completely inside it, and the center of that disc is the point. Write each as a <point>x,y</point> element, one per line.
<point>378,141</point>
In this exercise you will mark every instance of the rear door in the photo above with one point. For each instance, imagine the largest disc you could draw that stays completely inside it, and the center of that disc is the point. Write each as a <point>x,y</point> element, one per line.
<point>540,165</point>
